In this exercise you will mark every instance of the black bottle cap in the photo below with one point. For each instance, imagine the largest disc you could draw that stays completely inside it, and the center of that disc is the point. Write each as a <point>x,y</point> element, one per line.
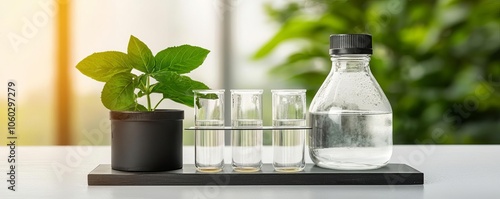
<point>341,44</point>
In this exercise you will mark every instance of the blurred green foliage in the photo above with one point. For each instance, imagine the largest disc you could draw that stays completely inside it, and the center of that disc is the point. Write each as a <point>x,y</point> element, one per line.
<point>437,61</point>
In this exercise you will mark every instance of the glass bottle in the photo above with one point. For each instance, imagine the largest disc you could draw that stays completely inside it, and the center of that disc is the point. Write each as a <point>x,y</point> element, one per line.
<point>350,115</point>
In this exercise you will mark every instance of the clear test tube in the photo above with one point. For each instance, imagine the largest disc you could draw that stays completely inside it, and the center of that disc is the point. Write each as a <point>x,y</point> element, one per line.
<point>209,144</point>
<point>289,110</point>
<point>246,112</point>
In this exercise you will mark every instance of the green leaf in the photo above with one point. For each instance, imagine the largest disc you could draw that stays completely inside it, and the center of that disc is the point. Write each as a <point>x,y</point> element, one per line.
<point>104,65</point>
<point>151,87</point>
<point>208,96</point>
<point>291,29</point>
<point>140,55</point>
<point>140,82</point>
<point>300,28</point>
<point>140,94</point>
<point>177,87</point>
<point>296,62</point>
<point>180,59</point>
<point>139,107</point>
<point>205,96</point>
<point>118,92</point>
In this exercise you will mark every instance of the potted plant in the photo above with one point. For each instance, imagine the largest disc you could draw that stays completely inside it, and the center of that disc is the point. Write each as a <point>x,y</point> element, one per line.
<point>144,138</point>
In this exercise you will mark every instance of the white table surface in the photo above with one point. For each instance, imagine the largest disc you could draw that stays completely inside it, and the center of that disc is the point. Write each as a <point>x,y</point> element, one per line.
<point>451,171</point>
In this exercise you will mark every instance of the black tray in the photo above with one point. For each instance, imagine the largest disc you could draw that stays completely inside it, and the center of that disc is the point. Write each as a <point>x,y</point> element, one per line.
<point>392,174</point>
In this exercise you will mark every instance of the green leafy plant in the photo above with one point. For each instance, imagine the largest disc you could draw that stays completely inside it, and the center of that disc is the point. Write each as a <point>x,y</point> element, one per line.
<point>122,87</point>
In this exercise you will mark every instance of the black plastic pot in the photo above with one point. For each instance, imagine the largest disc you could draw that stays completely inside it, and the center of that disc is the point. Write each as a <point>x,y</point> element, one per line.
<point>146,141</point>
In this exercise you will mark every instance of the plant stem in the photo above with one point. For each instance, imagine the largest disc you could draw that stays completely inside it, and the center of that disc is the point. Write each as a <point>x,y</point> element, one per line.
<point>147,94</point>
<point>159,103</point>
